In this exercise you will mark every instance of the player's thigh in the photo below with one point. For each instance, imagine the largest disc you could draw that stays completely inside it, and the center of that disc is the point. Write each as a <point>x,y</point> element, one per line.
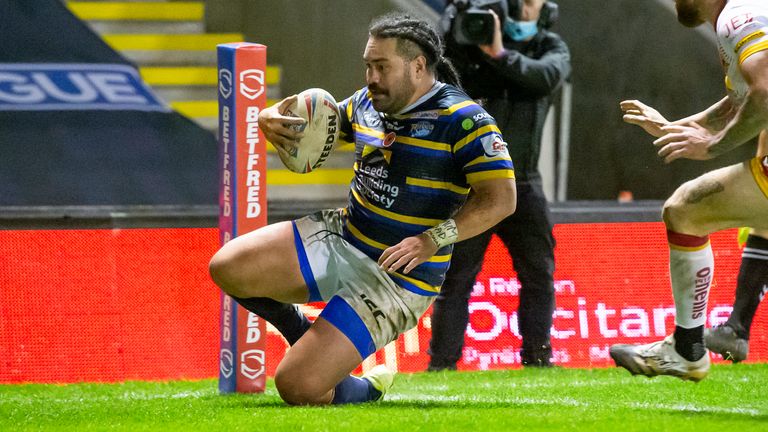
<point>315,364</point>
<point>724,198</point>
<point>262,263</point>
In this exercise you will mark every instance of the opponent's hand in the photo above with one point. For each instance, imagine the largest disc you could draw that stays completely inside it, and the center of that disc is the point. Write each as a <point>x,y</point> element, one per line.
<point>410,252</point>
<point>640,114</point>
<point>689,142</point>
<point>496,48</point>
<point>276,125</point>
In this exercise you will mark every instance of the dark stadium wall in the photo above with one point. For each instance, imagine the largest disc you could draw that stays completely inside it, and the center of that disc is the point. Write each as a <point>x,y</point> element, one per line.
<point>318,43</point>
<point>629,49</point>
<point>622,49</point>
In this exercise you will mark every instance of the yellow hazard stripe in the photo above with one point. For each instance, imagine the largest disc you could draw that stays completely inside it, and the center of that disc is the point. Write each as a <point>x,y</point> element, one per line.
<point>116,11</point>
<point>194,75</point>
<point>182,42</point>
<point>322,176</point>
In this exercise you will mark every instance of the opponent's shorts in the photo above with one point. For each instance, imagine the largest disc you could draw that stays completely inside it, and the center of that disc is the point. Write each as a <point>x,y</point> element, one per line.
<point>759,168</point>
<point>363,301</point>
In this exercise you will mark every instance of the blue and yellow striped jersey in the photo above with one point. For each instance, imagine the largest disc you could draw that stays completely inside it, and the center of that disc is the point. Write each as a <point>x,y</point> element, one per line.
<point>413,170</point>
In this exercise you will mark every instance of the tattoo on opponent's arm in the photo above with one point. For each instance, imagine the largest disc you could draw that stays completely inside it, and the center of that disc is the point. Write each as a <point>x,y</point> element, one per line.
<point>719,115</point>
<point>747,122</point>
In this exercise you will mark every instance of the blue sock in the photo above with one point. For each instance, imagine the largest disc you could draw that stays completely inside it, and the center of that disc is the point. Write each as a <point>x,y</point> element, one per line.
<point>354,390</point>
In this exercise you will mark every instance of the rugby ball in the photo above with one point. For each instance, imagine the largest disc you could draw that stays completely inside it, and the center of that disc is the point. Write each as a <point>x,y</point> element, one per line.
<point>321,131</point>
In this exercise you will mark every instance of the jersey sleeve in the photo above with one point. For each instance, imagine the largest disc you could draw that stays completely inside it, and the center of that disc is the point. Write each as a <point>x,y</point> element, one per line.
<point>346,109</point>
<point>750,35</point>
<point>481,150</point>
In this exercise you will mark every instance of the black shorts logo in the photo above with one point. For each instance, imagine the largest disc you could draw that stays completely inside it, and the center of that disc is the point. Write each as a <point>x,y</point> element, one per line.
<point>377,313</point>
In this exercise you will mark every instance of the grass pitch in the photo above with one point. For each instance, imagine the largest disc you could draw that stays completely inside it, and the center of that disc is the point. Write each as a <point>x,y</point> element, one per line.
<point>733,397</point>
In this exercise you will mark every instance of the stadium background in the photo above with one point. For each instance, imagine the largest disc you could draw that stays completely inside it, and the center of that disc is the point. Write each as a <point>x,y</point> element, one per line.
<point>108,216</point>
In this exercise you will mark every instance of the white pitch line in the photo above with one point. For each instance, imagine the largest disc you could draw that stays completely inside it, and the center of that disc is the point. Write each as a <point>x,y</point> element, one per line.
<point>571,402</point>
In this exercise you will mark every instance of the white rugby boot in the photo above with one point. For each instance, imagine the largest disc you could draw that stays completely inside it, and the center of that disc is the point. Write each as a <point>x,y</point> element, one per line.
<point>382,378</point>
<point>723,340</point>
<point>659,358</point>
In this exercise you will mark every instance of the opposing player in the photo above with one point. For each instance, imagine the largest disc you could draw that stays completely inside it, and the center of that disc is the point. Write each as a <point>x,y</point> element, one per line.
<point>729,197</point>
<point>731,339</point>
<point>420,146</point>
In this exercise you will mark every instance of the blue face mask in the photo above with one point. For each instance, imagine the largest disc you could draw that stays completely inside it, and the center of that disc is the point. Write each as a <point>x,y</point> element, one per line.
<point>519,31</point>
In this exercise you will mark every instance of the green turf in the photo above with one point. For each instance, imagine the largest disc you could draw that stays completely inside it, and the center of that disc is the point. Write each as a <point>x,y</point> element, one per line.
<point>732,398</point>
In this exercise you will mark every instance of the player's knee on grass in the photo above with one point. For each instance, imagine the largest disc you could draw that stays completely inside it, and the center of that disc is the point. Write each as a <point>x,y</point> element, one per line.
<point>300,389</point>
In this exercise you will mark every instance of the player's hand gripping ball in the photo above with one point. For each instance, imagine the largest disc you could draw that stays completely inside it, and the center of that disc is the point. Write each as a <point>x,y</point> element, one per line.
<point>321,131</point>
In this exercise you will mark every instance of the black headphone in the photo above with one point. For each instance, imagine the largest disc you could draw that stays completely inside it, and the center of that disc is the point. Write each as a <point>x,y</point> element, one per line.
<point>550,12</point>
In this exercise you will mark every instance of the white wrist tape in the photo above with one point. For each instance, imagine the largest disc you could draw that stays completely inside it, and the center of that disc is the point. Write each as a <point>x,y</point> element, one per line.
<point>444,234</point>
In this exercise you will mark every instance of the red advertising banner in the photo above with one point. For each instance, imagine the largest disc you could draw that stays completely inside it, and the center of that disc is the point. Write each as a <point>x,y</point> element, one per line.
<point>138,304</point>
<point>242,202</point>
<point>612,286</point>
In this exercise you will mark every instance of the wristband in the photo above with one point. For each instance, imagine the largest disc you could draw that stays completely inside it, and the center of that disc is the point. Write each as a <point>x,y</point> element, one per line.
<point>444,234</point>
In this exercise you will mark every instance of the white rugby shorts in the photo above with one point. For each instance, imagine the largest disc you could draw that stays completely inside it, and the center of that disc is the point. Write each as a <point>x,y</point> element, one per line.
<point>363,301</point>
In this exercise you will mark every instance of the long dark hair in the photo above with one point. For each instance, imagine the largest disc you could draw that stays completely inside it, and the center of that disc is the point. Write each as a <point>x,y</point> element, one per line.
<point>416,37</point>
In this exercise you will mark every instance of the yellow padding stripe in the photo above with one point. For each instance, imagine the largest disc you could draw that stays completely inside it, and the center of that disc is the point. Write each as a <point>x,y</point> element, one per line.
<point>760,176</point>
<point>182,42</point>
<point>688,248</point>
<point>199,109</point>
<point>753,50</point>
<point>115,11</point>
<point>345,148</point>
<point>323,176</point>
<point>437,185</point>
<point>194,75</point>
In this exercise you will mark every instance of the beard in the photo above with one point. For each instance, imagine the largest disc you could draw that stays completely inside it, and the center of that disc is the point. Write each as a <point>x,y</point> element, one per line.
<point>687,14</point>
<point>395,99</point>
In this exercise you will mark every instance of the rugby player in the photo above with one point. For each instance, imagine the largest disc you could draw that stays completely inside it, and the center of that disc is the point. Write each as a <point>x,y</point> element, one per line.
<point>421,145</point>
<point>728,197</point>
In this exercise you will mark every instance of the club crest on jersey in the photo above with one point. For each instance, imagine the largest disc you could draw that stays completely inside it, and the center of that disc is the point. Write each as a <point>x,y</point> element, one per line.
<point>421,129</point>
<point>494,146</point>
<point>389,139</point>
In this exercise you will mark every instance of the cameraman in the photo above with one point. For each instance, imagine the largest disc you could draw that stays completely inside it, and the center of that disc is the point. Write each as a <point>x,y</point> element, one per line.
<point>515,77</point>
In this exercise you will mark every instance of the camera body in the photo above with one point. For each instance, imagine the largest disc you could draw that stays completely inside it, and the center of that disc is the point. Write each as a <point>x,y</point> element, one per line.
<point>471,23</point>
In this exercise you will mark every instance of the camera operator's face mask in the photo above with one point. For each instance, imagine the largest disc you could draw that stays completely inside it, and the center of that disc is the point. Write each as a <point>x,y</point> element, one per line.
<point>520,31</point>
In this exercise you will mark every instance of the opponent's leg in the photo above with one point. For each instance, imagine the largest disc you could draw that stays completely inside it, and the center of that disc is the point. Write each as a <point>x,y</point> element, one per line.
<point>731,339</point>
<point>725,198</point>
<point>752,283</point>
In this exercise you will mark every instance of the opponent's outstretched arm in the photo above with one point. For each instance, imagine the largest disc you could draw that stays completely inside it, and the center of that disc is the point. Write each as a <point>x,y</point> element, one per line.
<point>751,117</point>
